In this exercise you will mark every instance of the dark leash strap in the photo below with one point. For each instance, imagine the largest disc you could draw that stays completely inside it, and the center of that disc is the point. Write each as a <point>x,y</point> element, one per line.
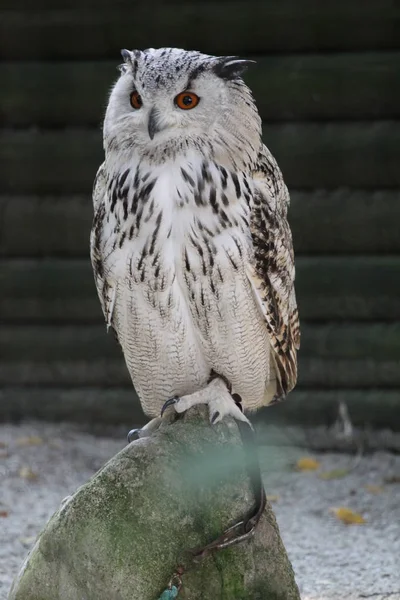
<point>244,529</point>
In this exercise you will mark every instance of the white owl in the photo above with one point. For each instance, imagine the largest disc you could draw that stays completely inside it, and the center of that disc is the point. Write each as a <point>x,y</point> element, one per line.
<point>191,247</point>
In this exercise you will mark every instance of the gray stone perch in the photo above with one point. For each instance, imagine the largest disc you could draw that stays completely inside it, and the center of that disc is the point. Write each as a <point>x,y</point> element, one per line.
<point>122,534</point>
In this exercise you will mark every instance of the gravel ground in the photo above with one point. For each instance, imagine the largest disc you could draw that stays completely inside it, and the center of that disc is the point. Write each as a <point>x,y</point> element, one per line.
<point>333,561</point>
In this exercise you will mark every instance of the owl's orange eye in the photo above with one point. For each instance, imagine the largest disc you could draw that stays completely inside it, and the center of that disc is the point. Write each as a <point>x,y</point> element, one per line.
<point>187,100</point>
<point>136,101</point>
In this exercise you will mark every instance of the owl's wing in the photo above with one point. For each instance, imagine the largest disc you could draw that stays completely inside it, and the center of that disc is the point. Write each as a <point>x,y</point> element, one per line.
<point>106,289</point>
<point>272,270</point>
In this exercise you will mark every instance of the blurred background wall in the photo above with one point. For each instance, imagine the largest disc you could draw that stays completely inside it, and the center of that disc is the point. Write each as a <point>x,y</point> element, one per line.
<point>327,84</point>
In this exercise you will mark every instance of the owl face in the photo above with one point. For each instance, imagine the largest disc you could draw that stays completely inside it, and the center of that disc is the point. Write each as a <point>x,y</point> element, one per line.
<point>173,98</point>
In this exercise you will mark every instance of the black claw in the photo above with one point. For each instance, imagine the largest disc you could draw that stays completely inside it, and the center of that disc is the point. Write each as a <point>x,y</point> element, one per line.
<point>168,403</point>
<point>133,435</point>
<point>238,401</point>
<point>214,417</point>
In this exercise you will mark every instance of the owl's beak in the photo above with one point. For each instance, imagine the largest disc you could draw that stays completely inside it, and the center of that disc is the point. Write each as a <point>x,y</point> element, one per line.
<point>153,125</point>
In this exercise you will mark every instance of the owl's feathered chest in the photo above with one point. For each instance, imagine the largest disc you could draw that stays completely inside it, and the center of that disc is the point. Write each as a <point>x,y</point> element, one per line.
<point>182,225</point>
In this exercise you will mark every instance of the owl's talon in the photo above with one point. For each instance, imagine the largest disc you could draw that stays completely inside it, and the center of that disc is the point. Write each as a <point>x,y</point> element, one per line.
<point>145,431</point>
<point>215,417</point>
<point>133,435</point>
<point>168,403</point>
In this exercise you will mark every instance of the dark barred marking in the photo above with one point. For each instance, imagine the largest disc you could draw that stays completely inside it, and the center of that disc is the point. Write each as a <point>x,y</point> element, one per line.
<point>123,177</point>
<point>146,190</point>
<point>142,256</point>
<point>137,177</point>
<point>224,177</point>
<point>224,199</point>
<point>211,252</point>
<point>150,212</point>
<point>237,246</point>
<point>199,199</point>
<point>224,216</point>
<point>246,184</point>
<point>202,299</point>
<point>245,220</point>
<point>187,263</point>
<point>135,203</point>
<point>205,172</point>
<point>209,232</point>
<point>201,253</point>
<point>155,234</point>
<point>139,217</point>
<point>234,265</point>
<point>114,198</point>
<point>122,239</point>
<point>187,177</point>
<point>213,200</point>
<point>125,207</point>
<point>212,286</point>
<point>97,228</point>
<point>201,184</point>
<point>236,184</point>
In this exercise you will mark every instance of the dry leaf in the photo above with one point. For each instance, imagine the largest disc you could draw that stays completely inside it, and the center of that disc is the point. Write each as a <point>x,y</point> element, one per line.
<point>32,440</point>
<point>273,498</point>
<point>54,444</point>
<point>392,479</point>
<point>334,474</point>
<point>27,473</point>
<point>374,489</point>
<point>348,516</point>
<point>307,464</point>
<point>27,541</point>
<point>3,513</point>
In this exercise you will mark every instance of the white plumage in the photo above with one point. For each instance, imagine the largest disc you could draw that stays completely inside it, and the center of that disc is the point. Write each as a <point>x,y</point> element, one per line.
<point>190,246</point>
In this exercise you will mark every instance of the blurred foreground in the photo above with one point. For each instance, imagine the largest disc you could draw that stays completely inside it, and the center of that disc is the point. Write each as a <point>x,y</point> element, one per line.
<point>43,463</point>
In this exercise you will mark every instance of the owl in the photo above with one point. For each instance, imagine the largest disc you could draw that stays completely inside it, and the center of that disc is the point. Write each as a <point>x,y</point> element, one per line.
<point>190,246</point>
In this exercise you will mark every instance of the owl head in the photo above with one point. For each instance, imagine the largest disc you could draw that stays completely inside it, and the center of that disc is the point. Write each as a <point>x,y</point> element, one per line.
<point>168,100</point>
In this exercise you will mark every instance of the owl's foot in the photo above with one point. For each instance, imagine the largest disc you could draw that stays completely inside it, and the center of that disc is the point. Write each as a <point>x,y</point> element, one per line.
<point>146,431</point>
<point>220,402</point>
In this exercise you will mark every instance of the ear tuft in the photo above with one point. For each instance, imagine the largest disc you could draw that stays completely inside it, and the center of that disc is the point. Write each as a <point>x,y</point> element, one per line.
<point>126,55</point>
<point>130,61</point>
<point>231,67</point>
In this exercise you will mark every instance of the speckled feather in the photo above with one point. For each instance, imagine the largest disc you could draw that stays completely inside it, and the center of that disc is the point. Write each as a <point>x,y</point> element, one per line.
<point>272,271</point>
<point>190,246</point>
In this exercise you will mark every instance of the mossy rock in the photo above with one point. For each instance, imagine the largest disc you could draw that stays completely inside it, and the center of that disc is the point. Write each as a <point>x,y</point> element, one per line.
<point>122,534</point>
